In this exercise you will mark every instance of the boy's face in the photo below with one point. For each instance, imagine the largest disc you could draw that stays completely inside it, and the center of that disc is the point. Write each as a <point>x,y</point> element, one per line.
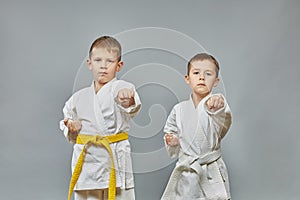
<point>104,65</point>
<point>202,77</point>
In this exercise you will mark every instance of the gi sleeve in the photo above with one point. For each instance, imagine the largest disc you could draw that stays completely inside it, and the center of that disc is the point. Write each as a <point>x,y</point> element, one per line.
<point>69,112</point>
<point>171,127</point>
<point>221,118</point>
<point>133,109</point>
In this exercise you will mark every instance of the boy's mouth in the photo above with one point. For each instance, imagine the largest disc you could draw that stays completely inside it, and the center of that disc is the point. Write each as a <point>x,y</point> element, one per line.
<point>201,84</point>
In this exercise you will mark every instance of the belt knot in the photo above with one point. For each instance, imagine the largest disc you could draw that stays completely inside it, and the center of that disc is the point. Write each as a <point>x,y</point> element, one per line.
<point>99,140</point>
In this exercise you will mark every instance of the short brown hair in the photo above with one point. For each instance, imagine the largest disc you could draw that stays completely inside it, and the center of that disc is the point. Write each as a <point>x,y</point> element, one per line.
<point>109,43</point>
<point>201,57</point>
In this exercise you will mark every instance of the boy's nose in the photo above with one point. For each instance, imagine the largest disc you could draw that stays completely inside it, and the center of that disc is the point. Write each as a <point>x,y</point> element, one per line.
<point>201,77</point>
<point>103,65</point>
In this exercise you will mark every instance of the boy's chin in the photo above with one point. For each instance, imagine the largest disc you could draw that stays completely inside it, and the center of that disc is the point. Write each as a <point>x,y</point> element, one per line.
<point>202,93</point>
<point>103,80</point>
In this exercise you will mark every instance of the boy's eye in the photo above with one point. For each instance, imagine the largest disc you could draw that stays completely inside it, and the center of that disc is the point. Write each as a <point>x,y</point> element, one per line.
<point>196,73</point>
<point>208,73</point>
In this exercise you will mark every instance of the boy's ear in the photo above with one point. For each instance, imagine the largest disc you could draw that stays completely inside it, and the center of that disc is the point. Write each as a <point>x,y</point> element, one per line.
<point>187,79</point>
<point>88,62</point>
<point>216,82</point>
<point>119,66</point>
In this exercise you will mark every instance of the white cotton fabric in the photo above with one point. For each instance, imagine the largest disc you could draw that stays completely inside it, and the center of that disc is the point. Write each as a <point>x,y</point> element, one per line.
<point>200,172</point>
<point>102,194</point>
<point>100,114</point>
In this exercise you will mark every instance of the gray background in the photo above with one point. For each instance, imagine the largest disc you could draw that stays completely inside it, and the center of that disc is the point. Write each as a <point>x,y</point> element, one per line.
<point>43,43</point>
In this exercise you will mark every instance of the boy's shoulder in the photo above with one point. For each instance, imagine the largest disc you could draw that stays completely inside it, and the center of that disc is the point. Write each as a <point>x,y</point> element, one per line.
<point>122,83</point>
<point>182,104</point>
<point>83,91</point>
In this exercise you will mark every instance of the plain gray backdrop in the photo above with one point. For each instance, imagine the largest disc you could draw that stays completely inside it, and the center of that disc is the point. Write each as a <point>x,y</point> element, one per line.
<point>43,44</point>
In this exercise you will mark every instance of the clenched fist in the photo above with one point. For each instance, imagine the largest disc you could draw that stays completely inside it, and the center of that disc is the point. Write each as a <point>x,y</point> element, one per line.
<point>215,103</point>
<point>126,97</point>
<point>171,140</point>
<point>74,127</point>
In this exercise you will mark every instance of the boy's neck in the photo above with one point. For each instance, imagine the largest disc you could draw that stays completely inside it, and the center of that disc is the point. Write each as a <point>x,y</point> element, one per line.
<point>197,98</point>
<point>98,86</point>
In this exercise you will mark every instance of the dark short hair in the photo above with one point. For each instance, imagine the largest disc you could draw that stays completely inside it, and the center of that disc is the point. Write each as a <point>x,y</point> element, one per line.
<point>201,57</point>
<point>109,43</point>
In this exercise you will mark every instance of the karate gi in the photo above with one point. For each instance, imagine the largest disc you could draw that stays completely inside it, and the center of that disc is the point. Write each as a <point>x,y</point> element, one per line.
<point>100,114</point>
<point>200,172</point>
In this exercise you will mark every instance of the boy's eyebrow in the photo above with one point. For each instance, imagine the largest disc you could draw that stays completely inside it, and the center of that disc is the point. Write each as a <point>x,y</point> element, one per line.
<point>199,68</point>
<point>195,68</point>
<point>111,58</point>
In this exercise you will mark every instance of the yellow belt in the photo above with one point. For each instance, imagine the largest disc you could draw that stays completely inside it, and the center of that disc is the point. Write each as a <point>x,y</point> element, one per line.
<point>88,140</point>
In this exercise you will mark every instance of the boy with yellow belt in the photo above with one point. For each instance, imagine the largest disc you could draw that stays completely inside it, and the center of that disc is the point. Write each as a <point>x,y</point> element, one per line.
<point>97,119</point>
